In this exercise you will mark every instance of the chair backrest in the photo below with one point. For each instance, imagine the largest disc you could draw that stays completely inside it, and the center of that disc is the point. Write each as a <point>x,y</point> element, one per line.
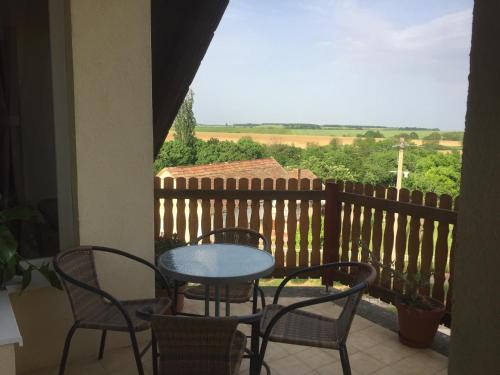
<point>196,345</point>
<point>78,265</point>
<point>364,274</point>
<point>238,236</point>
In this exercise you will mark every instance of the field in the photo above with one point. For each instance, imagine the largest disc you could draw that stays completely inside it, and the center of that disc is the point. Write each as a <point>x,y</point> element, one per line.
<point>274,134</point>
<point>277,129</point>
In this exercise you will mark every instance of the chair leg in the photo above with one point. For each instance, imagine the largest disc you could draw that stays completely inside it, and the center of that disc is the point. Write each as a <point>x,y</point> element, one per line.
<point>67,344</point>
<point>137,354</point>
<point>103,343</point>
<point>154,352</point>
<point>344,359</point>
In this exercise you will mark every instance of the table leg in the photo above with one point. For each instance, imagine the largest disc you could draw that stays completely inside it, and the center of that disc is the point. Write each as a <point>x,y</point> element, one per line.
<point>254,349</point>
<point>228,303</point>
<point>217,300</point>
<point>255,296</point>
<point>207,300</point>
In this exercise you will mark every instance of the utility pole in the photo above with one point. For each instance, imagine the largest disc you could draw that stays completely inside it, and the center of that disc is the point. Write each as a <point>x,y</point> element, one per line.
<point>399,178</point>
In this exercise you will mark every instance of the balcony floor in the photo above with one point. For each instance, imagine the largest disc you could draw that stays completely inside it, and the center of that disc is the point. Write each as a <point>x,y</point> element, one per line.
<point>372,350</point>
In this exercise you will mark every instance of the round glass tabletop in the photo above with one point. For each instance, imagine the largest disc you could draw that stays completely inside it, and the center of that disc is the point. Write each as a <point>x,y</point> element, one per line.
<point>216,263</point>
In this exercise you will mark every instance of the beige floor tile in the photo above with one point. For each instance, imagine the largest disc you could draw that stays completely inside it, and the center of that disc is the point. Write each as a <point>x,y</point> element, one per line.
<point>330,369</point>
<point>419,364</point>
<point>386,354</point>
<point>290,365</point>
<point>362,363</point>
<point>316,358</point>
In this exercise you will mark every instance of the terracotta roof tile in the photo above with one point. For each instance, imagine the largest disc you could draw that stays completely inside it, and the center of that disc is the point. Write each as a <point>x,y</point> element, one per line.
<point>260,168</point>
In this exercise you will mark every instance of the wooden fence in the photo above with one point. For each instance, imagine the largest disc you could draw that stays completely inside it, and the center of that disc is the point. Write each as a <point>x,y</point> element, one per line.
<point>412,231</point>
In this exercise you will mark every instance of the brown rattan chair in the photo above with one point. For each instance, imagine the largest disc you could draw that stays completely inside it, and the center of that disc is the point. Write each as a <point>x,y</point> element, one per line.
<point>240,292</point>
<point>93,308</point>
<point>288,324</point>
<point>191,345</point>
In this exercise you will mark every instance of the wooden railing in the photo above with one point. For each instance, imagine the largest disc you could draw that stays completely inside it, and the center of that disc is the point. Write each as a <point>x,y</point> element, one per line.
<point>412,231</point>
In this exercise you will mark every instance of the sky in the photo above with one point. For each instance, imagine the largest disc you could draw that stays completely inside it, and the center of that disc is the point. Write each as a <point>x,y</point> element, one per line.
<point>358,62</point>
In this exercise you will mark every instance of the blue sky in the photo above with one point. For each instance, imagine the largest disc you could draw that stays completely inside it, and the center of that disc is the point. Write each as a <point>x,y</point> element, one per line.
<point>373,62</point>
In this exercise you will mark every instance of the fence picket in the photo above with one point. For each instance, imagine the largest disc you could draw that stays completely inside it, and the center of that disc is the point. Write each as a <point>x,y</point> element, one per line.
<point>441,255</point>
<point>267,216</point>
<point>316,225</point>
<point>193,211</point>
<point>404,196</point>
<point>366,230</point>
<point>218,206</point>
<point>206,219</point>
<point>346,226</point>
<point>279,227</point>
<point>168,218</point>
<point>157,217</point>
<point>291,226</point>
<point>305,184</point>
<point>427,243</point>
<point>449,294</point>
<point>386,278</point>
<point>378,217</point>
<point>243,204</point>
<point>255,206</point>
<point>230,204</point>
<point>356,224</point>
<point>414,236</point>
<point>180,183</point>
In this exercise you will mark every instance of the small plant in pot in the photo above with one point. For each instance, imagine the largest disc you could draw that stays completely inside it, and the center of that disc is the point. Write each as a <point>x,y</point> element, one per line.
<point>162,245</point>
<point>418,315</point>
<point>12,264</point>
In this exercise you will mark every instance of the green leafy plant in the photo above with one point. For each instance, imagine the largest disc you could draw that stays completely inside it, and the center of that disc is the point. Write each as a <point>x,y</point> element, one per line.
<point>413,283</point>
<point>11,262</point>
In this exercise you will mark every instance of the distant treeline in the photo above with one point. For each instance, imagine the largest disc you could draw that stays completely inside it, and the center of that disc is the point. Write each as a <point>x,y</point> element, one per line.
<point>301,125</point>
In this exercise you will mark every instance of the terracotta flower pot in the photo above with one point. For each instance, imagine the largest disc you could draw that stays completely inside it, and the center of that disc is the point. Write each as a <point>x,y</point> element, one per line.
<point>417,327</point>
<point>160,292</point>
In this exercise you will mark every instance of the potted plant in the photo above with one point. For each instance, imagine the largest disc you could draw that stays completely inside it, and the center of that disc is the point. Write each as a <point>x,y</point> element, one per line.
<point>12,264</point>
<point>162,245</point>
<point>418,315</point>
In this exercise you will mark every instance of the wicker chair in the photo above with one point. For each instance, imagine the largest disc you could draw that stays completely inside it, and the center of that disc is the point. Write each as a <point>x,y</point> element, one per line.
<point>93,308</point>
<point>197,345</point>
<point>288,324</point>
<point>241,292</point>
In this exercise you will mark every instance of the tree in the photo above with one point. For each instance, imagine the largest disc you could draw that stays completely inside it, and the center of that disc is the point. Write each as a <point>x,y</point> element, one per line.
<point>287,156</point>
<point>371,134</point>
<point>434,136</point>
<point>174,153</point>
<point>185,122</point>
<point>437,172</point>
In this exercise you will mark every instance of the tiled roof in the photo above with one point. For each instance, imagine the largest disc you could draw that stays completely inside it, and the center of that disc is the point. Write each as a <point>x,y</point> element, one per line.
<point>260,168</point>
<point>299,173</point>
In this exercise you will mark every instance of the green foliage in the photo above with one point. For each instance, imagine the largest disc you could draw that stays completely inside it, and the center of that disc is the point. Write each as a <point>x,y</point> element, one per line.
<point>434,136</point>
<point>287,156</point>
<point>406,136</point>
<point>437,172</point>
<point>174,153</point>
<point>452,136</point>
<point>371,134</point>
<point>185,122</point>
<point>11,263</point>
<point>215,151</point>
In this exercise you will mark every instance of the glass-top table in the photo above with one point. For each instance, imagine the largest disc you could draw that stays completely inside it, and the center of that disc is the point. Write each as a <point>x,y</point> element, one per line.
<point>216,265</point>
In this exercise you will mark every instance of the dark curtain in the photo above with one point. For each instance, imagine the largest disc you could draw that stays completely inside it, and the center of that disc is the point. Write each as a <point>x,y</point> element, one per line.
<point>181,31</point>
<point>10,156</point>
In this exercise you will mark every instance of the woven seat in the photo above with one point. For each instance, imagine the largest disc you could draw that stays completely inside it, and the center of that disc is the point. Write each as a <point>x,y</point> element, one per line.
<point>198,345</point>
<point>240,292</point>
<point>301,328</point>
<point>109,317</point>
<point>94,308</point>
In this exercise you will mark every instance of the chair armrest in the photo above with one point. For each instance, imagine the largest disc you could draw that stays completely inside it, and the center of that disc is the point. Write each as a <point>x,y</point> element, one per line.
<point>307,270</point>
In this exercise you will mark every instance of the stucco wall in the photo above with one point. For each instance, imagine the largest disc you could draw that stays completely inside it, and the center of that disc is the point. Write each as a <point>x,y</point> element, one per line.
<point>476,305</point>
<point>113,142</point>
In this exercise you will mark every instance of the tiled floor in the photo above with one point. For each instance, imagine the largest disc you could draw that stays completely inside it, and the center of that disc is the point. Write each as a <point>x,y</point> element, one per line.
<point>372,350</point>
